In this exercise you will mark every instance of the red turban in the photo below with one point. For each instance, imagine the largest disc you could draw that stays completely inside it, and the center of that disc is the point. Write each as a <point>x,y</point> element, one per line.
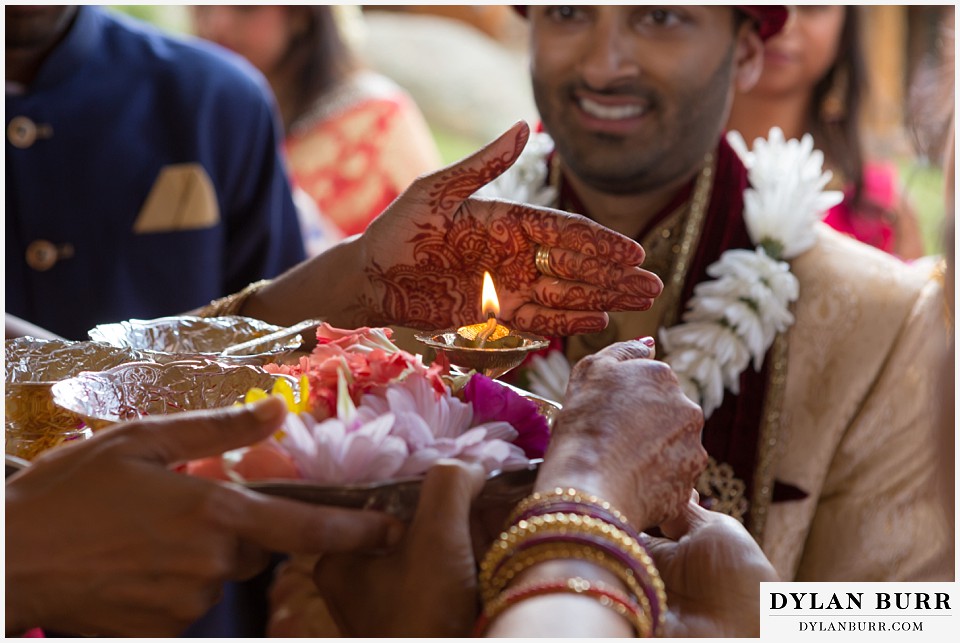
<point>768,18</point>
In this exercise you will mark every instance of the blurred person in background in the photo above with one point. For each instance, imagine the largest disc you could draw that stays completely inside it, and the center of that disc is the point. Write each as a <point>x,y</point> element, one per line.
<point>143,172</point>
<point>354,139</point>
<point>814,80</point>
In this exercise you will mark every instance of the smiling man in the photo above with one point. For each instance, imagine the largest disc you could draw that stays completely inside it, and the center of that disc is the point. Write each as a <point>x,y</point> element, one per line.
<point>822,444</point>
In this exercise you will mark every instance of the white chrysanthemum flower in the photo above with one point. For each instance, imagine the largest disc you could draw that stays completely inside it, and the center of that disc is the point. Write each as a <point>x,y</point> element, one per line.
<point>722,342</point>
<point>786,195</point>
<point>703,369</point>
<point>751,294</point>
<point>549,375</point>
<point>738,314</point>
<point>526,180</point>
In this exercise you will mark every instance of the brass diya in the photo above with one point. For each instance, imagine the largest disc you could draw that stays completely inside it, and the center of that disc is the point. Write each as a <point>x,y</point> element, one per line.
<point>140,389</point>
<point>489,348</point>
<point>493,360</point>
<point>32,422</point>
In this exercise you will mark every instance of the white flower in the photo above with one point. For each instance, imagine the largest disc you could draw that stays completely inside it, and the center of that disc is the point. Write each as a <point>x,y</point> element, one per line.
<point>421,417</point>
<point>401,430</point>
<point>751,294</point>
<point>786,196</point>
<point>703,369</point>
<point>526,180</point>
<point>738,314</point>
<point>728,349</point>
<point>549,375</point>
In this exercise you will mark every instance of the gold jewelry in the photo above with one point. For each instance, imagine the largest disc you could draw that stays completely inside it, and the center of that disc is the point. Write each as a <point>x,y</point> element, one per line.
<point>561,495</point>
<point>535,527</point>
<point>231,304</point>
<point>673,284</point>
<point>565,535</point>
<point>566,551</point>
<point>833,108</point>
<point>542,261</point>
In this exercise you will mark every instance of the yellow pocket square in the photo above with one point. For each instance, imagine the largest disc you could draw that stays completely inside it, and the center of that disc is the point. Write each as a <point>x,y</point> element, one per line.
<point>182,198</point>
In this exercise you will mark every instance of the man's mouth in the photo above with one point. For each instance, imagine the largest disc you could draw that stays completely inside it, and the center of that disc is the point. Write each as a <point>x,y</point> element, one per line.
<point>611,112</point>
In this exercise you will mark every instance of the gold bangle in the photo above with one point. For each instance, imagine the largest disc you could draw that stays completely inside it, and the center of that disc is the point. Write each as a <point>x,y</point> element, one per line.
<point>231,304</point>
<point>511,540</point>
<point>564,495</point>
<point>498,567</point>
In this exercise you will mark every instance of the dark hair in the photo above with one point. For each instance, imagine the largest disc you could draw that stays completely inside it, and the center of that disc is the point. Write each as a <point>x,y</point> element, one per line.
<point>930,107</point>
<point>319,58</point>
<point>838,135</point>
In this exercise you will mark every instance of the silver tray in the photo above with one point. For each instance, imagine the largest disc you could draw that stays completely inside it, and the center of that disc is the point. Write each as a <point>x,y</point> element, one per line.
<point>397,497</point>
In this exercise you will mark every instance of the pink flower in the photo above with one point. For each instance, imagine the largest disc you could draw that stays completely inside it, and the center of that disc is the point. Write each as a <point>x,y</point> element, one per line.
<point>330,452</point>
<point>492,401</point>
<point>441,428</point>
<point>263,461</point>
<point>369,357</point>
<point>379,413</point>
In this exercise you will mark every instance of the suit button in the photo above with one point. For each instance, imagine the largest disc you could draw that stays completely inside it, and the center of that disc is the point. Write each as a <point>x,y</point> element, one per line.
<point>42,255</point>
<point>21,132</point>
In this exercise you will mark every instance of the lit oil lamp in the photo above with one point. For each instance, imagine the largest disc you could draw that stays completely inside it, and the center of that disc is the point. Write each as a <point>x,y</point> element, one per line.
<point>491,334</point>
<point>487,347</point>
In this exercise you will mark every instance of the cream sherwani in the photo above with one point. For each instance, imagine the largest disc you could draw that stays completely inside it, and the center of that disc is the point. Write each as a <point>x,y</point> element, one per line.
<point>858,425</point>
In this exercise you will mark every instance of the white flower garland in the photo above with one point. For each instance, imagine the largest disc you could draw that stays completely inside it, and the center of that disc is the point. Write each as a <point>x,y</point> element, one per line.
<point>526,180</point>
<point>735,316</point>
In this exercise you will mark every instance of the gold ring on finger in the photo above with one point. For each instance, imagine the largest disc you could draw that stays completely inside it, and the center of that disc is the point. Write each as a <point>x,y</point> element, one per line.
<point>542,261</point>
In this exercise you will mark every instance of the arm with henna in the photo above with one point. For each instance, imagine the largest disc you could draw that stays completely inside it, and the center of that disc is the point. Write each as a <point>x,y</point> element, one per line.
<point>420,263</point>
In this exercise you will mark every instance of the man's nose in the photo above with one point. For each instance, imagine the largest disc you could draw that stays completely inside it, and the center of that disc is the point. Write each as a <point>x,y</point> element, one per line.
<point>609,55</point>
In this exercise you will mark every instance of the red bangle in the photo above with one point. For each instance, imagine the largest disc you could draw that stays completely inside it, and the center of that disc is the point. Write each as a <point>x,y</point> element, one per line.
<point>609,597</point>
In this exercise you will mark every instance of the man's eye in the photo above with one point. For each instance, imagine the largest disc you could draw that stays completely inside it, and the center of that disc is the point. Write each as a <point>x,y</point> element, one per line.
<point>661,18</point>
<point>564,12</point>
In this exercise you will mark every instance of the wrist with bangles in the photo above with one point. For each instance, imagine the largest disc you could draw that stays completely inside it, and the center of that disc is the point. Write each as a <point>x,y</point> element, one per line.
<point>231,304</point>
<point>568,525</point>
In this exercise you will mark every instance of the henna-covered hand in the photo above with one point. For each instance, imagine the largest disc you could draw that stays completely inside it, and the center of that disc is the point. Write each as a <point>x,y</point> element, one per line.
<point>627,433</point>
<point>424,257</point>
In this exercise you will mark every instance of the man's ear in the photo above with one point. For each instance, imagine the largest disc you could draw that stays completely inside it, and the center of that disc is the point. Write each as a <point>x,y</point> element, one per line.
<point>748,58</point>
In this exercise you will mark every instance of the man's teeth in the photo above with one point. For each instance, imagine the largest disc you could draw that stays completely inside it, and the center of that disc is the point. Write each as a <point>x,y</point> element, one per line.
<point>611,112</point>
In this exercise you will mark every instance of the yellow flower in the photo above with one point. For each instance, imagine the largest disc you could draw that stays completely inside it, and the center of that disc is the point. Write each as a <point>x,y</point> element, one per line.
<point>283,389</point>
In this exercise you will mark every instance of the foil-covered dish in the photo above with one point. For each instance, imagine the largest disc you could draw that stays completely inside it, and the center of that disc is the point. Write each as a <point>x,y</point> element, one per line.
<point>31,360</point>
<point>140,389</point>
<point>197,337</point>
<point>32,422</point>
